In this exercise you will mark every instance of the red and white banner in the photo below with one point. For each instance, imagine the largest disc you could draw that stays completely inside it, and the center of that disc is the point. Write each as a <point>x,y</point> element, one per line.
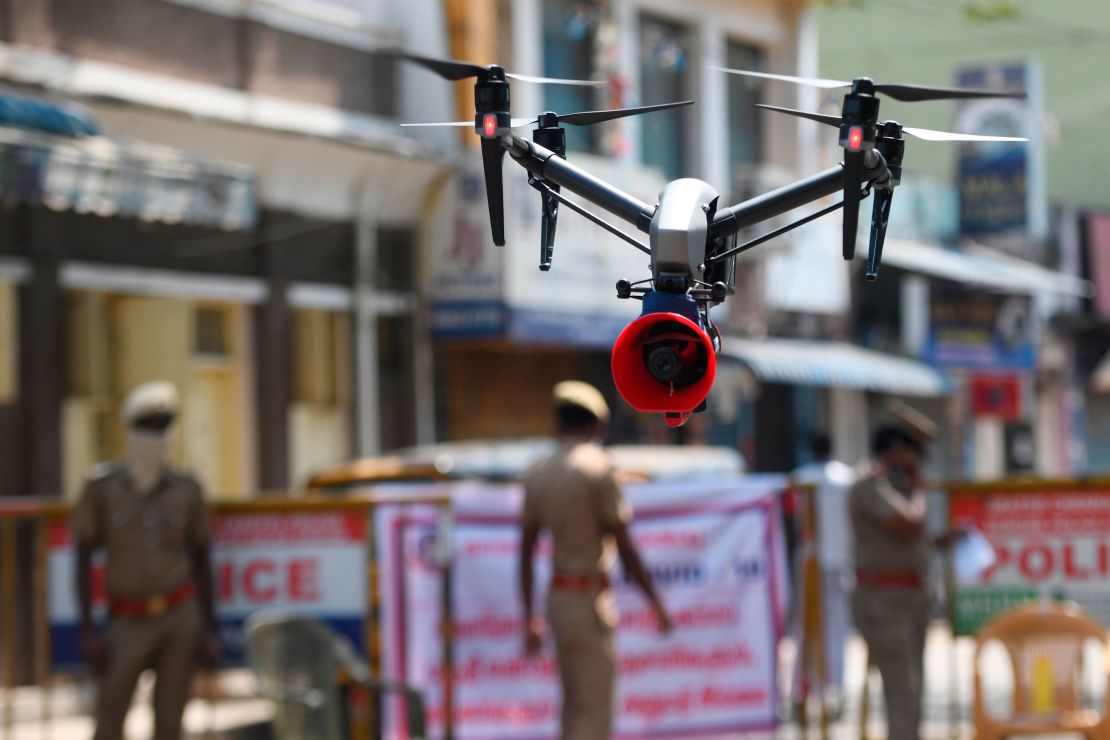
<point>1051,542</point>
<point>715,552</point>
<point>312,563</point>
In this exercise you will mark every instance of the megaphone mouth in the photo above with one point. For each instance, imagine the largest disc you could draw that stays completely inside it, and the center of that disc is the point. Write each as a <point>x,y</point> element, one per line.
<point>664,361</point>
<point>672,354</point>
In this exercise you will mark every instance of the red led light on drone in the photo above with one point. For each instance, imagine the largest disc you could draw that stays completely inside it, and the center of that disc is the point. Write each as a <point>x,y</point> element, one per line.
<point>855,138</point>
<point>489,124</point>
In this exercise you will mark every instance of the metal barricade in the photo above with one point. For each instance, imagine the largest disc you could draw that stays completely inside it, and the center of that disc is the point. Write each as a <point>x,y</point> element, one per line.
<point>27,527</point>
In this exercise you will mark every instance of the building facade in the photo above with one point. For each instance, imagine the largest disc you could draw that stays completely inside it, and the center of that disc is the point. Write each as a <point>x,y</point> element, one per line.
<point>285,307</point>
<point>993,280</point>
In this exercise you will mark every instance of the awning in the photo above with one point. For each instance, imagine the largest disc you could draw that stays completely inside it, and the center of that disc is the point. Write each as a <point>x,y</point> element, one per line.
<point>835,364</point>
<point>68,119</point>
<point>95,174</point>
<point>983,266</point>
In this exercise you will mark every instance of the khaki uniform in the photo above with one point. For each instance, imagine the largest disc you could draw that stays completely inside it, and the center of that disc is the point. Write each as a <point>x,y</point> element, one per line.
<point>574,493</point>
<point>891,612</point>
<point>149,540</point>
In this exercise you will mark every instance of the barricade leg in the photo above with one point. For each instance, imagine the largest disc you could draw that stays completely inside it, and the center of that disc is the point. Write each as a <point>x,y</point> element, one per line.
<point>41,626</point>
<point>8,627</point>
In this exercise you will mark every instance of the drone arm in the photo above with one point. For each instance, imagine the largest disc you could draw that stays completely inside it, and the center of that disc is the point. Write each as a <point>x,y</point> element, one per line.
<point>729,221</point>
<point>545,165</point>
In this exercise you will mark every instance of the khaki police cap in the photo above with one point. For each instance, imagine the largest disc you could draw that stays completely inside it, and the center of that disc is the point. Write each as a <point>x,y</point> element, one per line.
<point>911,421</point>
<point>148,399</point>
<point>583,395</point>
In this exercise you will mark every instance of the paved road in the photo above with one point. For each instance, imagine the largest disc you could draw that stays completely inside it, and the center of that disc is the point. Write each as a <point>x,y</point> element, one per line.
<point>947,700</point>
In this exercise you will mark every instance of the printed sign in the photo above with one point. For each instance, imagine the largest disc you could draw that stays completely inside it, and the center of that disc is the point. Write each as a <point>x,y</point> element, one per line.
<point>308,563</point>
<point>480,290</point>
<point>1050,543</point>
<point>715,553</point>
<point>979,330</point>
<point>1001,183</point>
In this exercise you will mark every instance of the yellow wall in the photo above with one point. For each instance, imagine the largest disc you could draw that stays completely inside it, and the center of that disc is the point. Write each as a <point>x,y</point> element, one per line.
<point>9,343</point>
<point>117,342</point>
<point>319,419</point>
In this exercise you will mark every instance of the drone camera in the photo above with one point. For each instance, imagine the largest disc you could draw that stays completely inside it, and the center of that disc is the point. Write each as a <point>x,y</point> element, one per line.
<point>665,360</point>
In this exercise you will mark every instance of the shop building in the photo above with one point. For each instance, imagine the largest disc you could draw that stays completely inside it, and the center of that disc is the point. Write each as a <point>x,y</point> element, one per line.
<point>244,222</point>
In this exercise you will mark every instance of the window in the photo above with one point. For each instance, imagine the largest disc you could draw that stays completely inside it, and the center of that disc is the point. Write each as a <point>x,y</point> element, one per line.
<point>320,353</point>
<point>664,78</point>
<point>210,333</point>
<point>744,131</point>
<point>569,47</point>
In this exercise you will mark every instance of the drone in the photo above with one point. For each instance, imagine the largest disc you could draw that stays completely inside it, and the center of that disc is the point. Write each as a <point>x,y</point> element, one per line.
<point>665,360</point>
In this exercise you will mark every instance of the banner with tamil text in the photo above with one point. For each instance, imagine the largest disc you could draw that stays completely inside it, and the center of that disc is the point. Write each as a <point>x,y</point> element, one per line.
<point>715,553</point>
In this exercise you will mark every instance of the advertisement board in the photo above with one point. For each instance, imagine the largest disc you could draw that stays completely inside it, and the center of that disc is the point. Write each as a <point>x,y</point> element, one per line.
<point>1051,541</point>
<point>975,329</point>
<point>1001,183</point>
<point>715,553</point>
<point>479,290</point>
<point>311,563</point>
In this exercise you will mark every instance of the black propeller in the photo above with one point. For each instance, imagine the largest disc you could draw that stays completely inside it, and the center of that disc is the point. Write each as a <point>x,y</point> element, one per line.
<point>888,139</point>
<point>449,69</point>
<point>907,93</point>
<point>925,134</point>
<point>859,126</point>
<point>583,118</point>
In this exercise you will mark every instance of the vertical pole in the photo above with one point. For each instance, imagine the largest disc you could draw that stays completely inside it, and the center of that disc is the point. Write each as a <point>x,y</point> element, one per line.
<point>472,34</point>
<point>953,662</point>
<point>816,632</point>
<point>423,361</point>
<point>448,626</point>
<point>865,698</point>
<point>527,49</point>
<point>372,625</point>
<point>8,601</point>
<point>626,19</point>
<point>368,407</point>
<point>41,623</point>
<point>273,370</point>
<point>712,157</point>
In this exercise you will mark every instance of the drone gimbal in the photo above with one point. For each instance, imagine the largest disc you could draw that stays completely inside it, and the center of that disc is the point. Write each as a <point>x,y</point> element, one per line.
<point>666,359</point>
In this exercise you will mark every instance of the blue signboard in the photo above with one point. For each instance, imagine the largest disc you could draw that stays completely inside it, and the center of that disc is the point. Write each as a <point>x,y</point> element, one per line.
<point>997,180</point>
<point>979,330</point>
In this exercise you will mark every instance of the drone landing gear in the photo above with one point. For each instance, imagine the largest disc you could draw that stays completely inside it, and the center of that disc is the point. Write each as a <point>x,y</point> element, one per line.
<point>880,215</point>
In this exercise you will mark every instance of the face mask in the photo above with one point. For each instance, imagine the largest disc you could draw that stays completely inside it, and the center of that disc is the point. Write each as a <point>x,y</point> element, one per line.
<point>146,452</point>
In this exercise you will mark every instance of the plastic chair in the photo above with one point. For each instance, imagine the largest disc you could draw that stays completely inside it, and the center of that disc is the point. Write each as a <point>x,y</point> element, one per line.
<point>300,664</point>
<point>1045,646</point>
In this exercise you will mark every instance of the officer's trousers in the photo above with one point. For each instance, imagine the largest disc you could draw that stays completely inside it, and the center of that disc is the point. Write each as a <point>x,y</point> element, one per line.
<point>583,629</point>
<point>892,621</point>
<point>167,644</point>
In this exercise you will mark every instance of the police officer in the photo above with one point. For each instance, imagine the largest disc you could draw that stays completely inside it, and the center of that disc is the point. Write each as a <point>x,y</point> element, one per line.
<point>153,526</point>
<point>575,495</point>
<point>890,604</point>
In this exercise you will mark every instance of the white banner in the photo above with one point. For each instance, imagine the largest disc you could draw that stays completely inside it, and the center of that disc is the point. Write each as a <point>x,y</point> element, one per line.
<point>715,553</point>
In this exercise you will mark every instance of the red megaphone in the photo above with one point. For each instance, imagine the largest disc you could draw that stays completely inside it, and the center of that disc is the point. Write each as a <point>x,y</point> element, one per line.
<point>665,362</point>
